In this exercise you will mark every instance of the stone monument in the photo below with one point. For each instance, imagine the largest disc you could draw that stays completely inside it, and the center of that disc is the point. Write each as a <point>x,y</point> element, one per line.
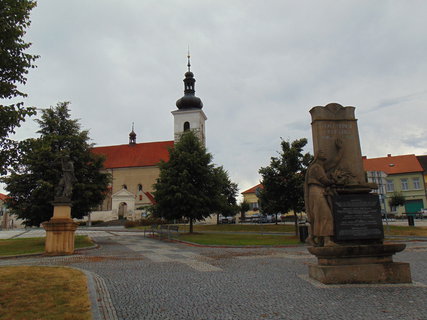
<point>60,228</point>
<point>346,232</point>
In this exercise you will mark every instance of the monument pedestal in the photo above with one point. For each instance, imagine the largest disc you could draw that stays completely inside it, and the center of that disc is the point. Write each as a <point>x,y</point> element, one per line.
<point>60,231</point>
<point>359,264</point>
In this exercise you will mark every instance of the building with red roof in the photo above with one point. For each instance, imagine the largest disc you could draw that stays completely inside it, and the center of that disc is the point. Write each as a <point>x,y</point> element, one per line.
<point>251,197</point>
<point>134,166</point>
<point>401,174</point>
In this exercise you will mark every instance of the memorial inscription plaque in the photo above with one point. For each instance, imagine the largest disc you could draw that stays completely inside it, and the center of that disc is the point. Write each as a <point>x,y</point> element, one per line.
<point>357,217</point>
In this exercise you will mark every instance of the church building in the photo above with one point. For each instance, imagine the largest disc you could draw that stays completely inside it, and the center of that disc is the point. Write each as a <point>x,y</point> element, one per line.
<point>134,166</point>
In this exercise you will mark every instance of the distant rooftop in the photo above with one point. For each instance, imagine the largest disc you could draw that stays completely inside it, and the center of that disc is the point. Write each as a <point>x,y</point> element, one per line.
<point>393,164</point>
<point>253,189</point>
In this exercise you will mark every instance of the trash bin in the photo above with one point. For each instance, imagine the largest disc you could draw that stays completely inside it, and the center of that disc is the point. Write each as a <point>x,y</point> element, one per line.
<point>411,221</point>
<point>303,232</point>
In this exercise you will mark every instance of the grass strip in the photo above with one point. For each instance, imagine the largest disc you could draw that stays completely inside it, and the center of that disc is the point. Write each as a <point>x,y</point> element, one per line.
<point>9,247</point>
<point>48,293</point>
<point>237,239</point>
<point>405,231</point>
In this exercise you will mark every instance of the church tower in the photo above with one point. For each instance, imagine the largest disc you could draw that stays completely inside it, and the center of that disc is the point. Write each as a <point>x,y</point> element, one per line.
<point>189,115</point>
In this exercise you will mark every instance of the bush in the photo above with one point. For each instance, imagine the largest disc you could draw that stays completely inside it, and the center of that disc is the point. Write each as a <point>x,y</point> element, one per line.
<point>84,223</point>
<point>131,224</point>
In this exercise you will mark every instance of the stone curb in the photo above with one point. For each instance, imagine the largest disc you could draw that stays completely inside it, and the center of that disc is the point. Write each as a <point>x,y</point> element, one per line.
<point>101,304</point>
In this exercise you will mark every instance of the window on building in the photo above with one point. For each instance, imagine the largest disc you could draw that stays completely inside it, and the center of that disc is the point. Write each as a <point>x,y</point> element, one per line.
<point>253,206</point>
<point>393,209</point>
<point>390,186</point>
<point>404,184</point>
<point>124,186</point>
<point>186,126</point>
<point>139,187</point>
<point>416,182</point>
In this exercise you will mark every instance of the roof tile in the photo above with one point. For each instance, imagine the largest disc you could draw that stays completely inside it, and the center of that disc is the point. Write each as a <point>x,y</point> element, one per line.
<point>136,155</point>
<point>393,164</point>
<point>253,189</point>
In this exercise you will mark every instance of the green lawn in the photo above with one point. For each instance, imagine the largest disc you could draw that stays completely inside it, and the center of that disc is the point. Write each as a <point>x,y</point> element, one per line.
<point>237,239</point>
<point>10,247</point>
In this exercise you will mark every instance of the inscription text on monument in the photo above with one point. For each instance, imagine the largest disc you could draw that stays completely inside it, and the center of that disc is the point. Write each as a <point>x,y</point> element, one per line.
<point>357,217</point>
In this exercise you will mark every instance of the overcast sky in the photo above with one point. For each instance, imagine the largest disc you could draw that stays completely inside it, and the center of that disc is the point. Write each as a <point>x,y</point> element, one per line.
<point>260,66</point>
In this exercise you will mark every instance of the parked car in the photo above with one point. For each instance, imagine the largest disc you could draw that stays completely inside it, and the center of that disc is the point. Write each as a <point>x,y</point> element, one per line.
<point>227,220</point>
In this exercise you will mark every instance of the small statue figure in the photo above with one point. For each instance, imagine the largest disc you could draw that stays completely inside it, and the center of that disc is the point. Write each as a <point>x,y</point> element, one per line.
<point>64,189</point>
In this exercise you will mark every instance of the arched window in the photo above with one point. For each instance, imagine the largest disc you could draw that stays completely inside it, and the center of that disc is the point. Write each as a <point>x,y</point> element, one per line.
<point>186,126</point>
<point>125,186</point>
<point>139,187</point>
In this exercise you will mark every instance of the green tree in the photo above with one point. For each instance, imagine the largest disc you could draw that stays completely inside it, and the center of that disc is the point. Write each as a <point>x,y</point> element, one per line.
<point>31,185</point>
<point>15,63</point>
<point>396,200</point>
<point>283,180</point>
<point>243,208</point>
<point>189,185</point>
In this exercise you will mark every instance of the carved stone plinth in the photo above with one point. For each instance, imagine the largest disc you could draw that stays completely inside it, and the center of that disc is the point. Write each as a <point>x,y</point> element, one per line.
<point>60,231</point>
<point>359,264</point>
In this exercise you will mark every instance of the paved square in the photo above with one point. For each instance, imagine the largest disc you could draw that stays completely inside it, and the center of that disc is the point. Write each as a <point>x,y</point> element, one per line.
<point>140,278</point>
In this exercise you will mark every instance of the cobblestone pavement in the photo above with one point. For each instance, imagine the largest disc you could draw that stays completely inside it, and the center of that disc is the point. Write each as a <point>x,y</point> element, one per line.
<point>140,278</point>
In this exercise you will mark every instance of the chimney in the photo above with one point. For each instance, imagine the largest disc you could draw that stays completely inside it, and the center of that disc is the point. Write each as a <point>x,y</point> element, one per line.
<point>389,155</point>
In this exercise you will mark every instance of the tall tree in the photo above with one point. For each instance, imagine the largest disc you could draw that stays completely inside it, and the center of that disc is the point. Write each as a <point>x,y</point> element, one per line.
<point>283,180</point>
<point>227,202</point>
<point>31,185</point>
<point>15,63</point>
<point>189,185</point>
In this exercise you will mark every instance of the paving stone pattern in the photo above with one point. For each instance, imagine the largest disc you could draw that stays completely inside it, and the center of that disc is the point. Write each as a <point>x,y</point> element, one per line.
<point>140,278</point>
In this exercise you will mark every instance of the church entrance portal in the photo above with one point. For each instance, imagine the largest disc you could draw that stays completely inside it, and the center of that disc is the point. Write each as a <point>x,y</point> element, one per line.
<point>123,208</point>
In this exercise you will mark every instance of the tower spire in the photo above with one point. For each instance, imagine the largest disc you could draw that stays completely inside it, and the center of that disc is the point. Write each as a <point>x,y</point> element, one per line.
<point>188,58</point>
<point>132,136</point>
<point>189,100</point>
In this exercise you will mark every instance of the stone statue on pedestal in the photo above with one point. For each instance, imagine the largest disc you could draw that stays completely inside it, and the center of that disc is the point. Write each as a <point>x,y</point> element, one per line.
<point>346,233</point>
<point>64,190</point>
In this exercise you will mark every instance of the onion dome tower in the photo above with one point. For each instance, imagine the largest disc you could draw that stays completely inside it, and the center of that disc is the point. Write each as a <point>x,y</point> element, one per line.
<point>132,137</point>
<point>189,115</point>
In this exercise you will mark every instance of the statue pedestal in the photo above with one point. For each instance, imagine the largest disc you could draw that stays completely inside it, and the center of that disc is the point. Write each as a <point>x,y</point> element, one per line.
<point>359,264</point>
<point>60,231</point>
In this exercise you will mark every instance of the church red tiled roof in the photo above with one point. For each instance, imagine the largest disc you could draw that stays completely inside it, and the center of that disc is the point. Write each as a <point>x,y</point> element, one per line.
<point>3,197</point>
<point>150,197</point>
<point>136,155</point>
<point>253,189</point>
<point>393,164</point>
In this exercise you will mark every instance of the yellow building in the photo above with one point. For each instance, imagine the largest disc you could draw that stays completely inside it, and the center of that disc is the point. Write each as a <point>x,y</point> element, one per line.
<point>134,170</point>
<point>251,197</point>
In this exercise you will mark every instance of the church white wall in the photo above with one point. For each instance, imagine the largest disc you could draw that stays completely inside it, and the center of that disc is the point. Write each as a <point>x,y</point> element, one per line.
<point>195,117</point>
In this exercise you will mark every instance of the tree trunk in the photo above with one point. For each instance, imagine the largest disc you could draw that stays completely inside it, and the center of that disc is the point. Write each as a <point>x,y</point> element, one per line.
<point>191,225</point>
<point>296,224</point>
<point>217,218</point>
<point>276,219</point>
